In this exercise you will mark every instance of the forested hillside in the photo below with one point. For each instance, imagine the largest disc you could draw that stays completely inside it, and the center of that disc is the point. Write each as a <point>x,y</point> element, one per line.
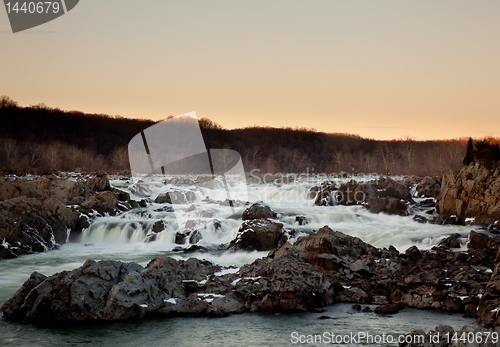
<point>43,139</point>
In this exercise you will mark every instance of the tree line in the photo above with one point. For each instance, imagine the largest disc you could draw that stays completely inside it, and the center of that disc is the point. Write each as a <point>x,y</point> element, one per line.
<point>40,139</point>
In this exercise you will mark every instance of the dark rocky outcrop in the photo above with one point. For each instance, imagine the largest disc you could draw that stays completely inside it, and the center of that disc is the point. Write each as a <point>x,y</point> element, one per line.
<point>383,195</point>
<point>37,215</point>
<point>429,187</point>
<point>317,270</point>
<point>452,241</point>
<point>259,235</point>
<point>472,193</point>
<point>489,306</point>
<point>258,210</point>
<point>388,205</point>
<point>323,195</point>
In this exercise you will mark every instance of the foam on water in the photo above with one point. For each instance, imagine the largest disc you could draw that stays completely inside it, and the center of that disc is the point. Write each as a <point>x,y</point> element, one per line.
<point>289,200</point>
<point>122,238</point>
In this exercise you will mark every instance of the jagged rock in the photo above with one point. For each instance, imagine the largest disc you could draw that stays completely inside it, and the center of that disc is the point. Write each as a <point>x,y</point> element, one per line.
<point>354,193</point>
<point>98,183</point>
<point>259,234</point>
<point>383,195</point>
<point>35,213</point>
<point>429,187</point>
<point>489,306</point>
<point>324,195</point>
<point>451,241</point>
<point>477,240</point>
<point>158,227</point>
<point>181,237</point>
<point>411,181</point>
<point>393,189</point>
<point>258,210</point>
<point>121,195</point>
<point>472,193</point>
<point>316,270</point>
<point>103,202</point>
<point>388,205</point>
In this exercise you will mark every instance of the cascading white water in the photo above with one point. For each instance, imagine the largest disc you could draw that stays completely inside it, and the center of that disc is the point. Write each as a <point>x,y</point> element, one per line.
<point>122,237</point>
<point>289,200</point>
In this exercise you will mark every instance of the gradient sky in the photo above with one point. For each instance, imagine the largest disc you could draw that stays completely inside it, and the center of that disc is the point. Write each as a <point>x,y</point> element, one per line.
<point>381,69</point>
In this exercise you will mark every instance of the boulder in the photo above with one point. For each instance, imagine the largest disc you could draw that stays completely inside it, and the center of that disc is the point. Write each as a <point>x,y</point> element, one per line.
<point>393,189</point>
<point>98,183</point>
<point>477,240</point>
<point>103,202</point>
<point>389,308</point>
<point>388,205</point>
<point>317,270</point>
<point>324,194</point>
<point>302,220</point>
<point>429,187</point>
<point>354,193</point>
<point>37,215</point>
<point>259,235</point>
<point>451,241</point>
<point>258,210</point>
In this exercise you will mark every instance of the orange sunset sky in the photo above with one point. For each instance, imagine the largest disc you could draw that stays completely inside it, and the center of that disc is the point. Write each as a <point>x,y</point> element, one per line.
<point>380,69</point>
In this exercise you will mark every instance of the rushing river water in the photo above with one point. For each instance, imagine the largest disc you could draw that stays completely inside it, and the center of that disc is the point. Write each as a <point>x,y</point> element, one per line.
<point>122,238</point>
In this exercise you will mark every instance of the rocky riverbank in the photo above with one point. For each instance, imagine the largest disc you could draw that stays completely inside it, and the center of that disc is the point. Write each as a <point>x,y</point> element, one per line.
<point>471,195</point>
<point>317,270</point>
<point>38,215</point>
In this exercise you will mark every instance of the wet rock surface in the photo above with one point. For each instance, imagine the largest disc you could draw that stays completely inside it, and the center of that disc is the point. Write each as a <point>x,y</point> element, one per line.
<point>258,210</point>
<point>38,215</point>
<point>319,269</point>
<point>259,235</point>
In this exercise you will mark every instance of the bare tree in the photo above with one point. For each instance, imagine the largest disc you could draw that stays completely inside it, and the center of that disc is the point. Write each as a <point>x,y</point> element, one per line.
<point>53,154</point>
<point>10,149</point>
<point>407,151</point>
<point>119,158</point>
<point>253,157</point>
<point>386,155</point>
<point>35,153</point>
<point>338,158</point>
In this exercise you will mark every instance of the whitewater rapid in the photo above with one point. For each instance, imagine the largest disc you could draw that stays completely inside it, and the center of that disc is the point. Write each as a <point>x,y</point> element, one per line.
<point>288,200</point>
<point>122,237</point>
